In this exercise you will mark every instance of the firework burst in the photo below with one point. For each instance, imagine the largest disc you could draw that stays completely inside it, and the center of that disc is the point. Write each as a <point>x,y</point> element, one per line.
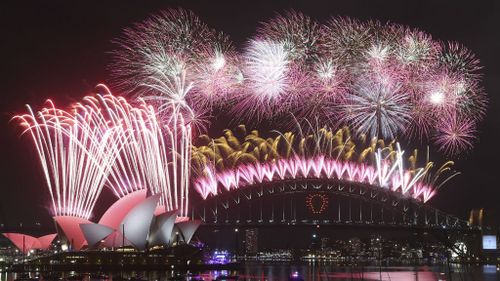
<point>377,108</point>
<point>266,71</point>
<point>460,60</point>
<point>298,33</point>
<point>455,134</point>
<point>386,80</point>
<point>215,76</point>
<point>174,57</point>
<point>346,39</point>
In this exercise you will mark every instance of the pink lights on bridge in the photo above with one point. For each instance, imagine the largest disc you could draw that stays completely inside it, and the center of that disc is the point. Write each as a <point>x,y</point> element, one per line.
<point>406,182</point>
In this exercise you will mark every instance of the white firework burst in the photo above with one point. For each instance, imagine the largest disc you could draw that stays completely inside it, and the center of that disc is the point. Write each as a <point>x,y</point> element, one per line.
<point>266,69</point>
<point>377,109</point>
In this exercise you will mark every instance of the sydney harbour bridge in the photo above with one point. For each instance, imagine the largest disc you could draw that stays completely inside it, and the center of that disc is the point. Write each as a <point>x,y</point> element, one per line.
<point>312,202</point>
<point>338,206</point>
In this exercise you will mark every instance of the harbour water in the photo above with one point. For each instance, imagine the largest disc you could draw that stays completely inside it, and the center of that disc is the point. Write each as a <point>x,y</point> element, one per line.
<point>252,271</point>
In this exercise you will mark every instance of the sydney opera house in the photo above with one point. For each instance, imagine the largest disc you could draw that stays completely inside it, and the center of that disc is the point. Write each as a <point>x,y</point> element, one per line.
<point>133,221</point>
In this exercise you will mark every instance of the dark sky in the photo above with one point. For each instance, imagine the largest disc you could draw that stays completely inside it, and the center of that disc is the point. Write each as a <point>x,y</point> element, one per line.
<point>59,50</point>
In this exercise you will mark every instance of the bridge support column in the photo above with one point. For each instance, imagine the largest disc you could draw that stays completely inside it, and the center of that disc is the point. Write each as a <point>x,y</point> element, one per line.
<point>339,213</point>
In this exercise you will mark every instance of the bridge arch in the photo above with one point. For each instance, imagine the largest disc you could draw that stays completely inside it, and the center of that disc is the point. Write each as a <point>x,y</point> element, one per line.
<point>285,202</point>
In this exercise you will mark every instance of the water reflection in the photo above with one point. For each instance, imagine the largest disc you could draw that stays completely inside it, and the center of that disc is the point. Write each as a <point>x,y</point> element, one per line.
<point>285,272</point>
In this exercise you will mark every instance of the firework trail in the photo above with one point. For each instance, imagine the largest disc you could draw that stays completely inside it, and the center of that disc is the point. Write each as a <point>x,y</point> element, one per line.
<point>155,153</point>
<point>106,141</point>
<point>75,156</point>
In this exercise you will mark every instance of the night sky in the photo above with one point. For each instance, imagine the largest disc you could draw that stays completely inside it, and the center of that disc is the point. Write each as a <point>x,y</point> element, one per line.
<point>60,51</point>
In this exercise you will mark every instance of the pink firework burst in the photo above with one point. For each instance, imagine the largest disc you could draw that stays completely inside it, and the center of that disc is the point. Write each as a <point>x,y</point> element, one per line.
<point>328,87</point>
<point>216,75</point>
<point>448,93</point>
<point>416,50</point>
<point>455,134</point>
<point>421,123</point>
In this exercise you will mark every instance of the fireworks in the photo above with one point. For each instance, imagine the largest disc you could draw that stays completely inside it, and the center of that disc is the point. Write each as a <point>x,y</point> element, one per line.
<point>384,80</point>
<point>266,70</point>
<point>122,146</point>
<point>455,135</point>
<point>299,34</point>
<point>377,109</point>
<point>75,156</point>
<point>320,167</point>
<point>239,159</point>
<point>174,57</point>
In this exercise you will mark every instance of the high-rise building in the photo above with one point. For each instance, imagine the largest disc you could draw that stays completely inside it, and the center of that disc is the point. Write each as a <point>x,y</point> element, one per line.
<point>251,241</point>
<point>325,242</point>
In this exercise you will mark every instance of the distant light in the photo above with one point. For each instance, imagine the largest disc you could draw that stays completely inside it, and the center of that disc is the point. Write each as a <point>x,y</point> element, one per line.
<point>314,235</point>
<point>489,242</point>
